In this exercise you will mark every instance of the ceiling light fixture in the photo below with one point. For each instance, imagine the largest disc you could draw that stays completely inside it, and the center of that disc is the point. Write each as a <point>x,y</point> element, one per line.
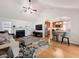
<point>29,9</point>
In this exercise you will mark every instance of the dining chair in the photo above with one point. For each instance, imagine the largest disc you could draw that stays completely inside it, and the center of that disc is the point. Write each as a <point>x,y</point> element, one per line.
<point>55,35</point>
<point>65,36</point>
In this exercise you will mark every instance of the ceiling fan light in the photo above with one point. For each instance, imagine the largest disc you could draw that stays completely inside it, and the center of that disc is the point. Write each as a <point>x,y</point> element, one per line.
<point>29,9</point>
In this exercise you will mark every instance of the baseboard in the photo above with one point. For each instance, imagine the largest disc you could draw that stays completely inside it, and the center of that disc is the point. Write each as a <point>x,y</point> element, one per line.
<point>73,43</point>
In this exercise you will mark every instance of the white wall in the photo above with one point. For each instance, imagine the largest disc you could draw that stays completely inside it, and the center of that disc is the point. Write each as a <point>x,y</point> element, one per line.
<point>59,12</point>
<point>20,24</point>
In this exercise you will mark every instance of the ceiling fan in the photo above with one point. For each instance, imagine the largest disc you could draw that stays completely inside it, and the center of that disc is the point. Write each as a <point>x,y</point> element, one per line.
<point>26,9</point>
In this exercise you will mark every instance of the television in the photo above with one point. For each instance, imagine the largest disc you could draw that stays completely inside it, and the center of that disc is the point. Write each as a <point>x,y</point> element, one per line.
<point>39,27</point>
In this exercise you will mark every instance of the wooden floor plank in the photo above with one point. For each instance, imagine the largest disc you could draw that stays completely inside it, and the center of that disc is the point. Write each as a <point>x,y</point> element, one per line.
<point>62,50</point>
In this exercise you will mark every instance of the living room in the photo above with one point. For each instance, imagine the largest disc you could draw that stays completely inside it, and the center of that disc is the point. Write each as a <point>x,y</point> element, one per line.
<point>39,32</point>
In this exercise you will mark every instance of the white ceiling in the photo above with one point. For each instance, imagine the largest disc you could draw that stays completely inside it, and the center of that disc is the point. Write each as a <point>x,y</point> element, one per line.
<point>12,8</point>
<point>62,3</point>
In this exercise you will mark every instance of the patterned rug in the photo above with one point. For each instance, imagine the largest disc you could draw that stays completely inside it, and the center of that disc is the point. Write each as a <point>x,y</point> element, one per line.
<point>29,52</point>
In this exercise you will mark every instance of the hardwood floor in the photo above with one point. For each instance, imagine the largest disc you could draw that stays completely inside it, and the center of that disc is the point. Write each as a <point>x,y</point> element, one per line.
<point>59,50</point>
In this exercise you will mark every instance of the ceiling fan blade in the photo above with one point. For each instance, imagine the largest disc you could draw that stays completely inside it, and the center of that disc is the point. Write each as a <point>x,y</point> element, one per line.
<point>34,10</point>
<point>25,7</point>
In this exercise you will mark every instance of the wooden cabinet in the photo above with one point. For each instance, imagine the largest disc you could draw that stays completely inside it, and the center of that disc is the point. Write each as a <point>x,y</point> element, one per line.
<point>47,24</point>
<point>57,24</point>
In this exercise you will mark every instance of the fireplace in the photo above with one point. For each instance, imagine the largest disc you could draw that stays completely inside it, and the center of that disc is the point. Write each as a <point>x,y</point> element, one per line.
<point>20,33</point>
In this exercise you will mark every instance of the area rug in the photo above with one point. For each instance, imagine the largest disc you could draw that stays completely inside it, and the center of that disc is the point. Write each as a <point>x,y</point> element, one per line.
<point>29,52</point>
